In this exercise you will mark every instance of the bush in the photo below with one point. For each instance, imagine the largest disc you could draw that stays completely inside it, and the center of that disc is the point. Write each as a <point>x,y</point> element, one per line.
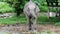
<point>4,7</point>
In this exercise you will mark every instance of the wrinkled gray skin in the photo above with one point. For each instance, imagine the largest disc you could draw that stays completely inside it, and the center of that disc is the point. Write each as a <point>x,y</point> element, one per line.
<point>31,11</point>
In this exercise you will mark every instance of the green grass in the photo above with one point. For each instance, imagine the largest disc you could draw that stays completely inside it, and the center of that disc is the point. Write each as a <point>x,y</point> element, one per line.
<point>48,32</point>
<point>22,20</point>
<point>13,20</point>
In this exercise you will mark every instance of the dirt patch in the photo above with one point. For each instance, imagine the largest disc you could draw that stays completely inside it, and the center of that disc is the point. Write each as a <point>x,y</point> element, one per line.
<point>24,28</point>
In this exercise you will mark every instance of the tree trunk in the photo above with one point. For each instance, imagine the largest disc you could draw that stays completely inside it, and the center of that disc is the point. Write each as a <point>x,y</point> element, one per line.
<point>18,10</point>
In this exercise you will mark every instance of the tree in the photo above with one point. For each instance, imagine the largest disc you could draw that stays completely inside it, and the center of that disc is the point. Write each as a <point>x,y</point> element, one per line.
<point>17,4</point>
<point>17,7</point>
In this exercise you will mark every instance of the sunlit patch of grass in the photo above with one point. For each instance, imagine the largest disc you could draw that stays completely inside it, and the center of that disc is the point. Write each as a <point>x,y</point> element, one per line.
<point>48,32</point>
<point>13,20</point>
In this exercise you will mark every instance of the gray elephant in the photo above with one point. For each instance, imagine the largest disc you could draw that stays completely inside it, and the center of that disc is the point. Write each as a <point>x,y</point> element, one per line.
<point>31,10</point>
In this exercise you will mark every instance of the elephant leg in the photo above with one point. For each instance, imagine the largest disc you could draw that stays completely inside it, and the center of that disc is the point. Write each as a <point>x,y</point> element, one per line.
<point>34,23</point>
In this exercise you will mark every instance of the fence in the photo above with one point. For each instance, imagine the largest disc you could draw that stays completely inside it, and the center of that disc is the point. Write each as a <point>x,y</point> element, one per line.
<point>55,4</point>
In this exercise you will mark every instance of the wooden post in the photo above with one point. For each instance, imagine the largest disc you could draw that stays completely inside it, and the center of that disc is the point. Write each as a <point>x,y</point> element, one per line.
<point>48,12</point>
<point>56,11</point>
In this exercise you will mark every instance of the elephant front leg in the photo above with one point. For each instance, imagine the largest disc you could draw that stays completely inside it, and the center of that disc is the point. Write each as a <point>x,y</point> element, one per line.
<point>30,23</point>
<point>35,24</point>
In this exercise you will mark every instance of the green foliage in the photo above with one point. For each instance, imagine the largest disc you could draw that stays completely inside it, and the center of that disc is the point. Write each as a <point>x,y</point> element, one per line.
<point>4,7</point>
<point>43,8</point>
<point>41,3</point>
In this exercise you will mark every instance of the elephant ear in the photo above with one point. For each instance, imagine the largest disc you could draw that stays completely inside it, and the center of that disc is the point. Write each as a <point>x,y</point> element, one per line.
<point>37,9</point>
<point>25,7</point>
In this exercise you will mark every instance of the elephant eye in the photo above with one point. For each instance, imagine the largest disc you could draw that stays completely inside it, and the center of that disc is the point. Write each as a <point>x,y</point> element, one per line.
<point>28,9</point>
<point>35,9</point>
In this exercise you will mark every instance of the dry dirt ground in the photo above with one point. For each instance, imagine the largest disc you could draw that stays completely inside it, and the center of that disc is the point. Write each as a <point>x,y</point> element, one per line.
<point>24,28</point>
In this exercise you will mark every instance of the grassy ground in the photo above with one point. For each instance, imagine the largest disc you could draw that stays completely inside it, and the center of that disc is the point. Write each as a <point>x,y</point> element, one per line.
<point>13,20</point>
<point>42,19</point>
